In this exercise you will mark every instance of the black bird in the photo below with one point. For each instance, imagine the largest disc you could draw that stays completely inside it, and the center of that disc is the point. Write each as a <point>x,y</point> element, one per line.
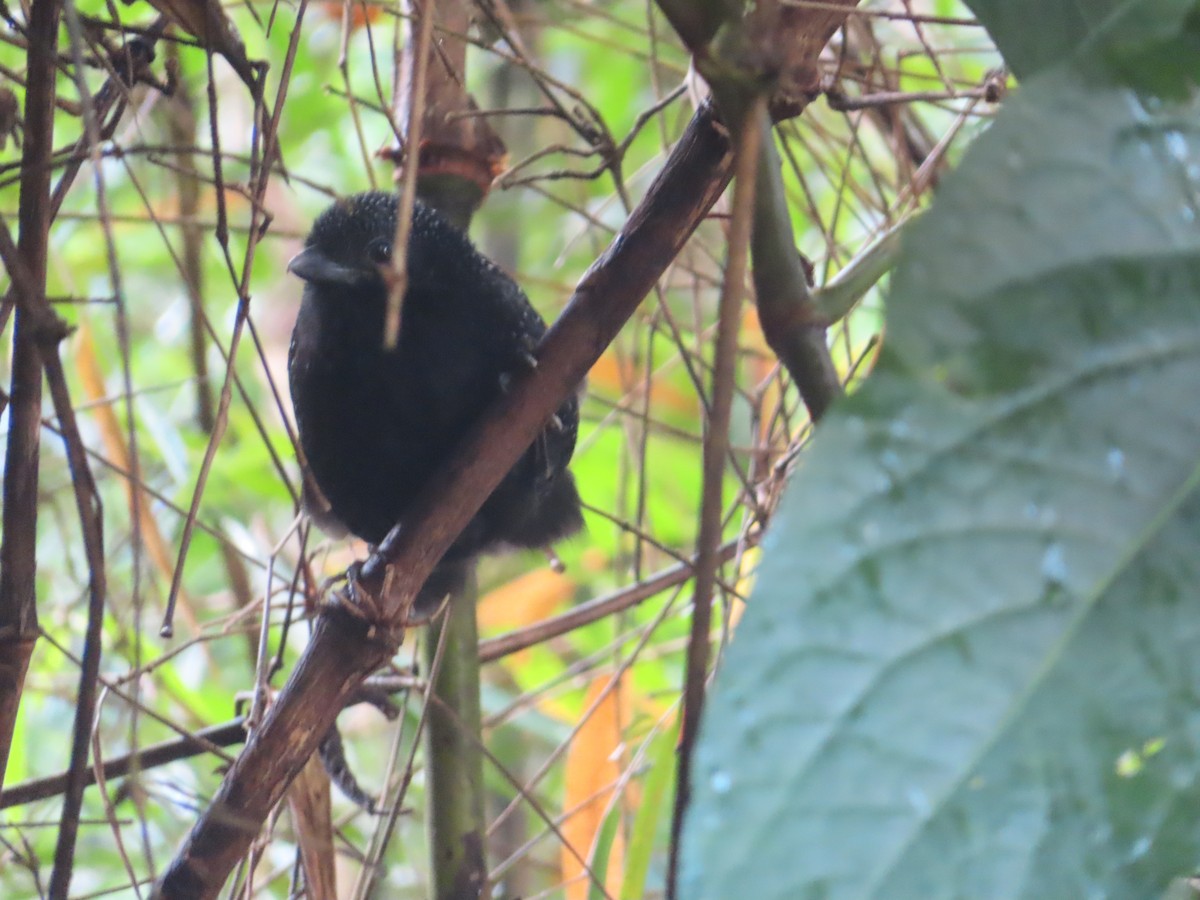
<point>375,424</point>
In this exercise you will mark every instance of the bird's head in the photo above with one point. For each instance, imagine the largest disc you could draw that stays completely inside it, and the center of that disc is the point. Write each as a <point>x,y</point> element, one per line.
<point>349,242</point>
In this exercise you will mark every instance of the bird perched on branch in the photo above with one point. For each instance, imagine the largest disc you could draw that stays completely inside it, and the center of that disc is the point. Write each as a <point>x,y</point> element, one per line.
<point>375,423</point>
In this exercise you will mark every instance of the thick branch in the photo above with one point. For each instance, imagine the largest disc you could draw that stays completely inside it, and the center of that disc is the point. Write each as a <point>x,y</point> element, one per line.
<point>342,651</point>
<point>340,654</point>
<point>790,321</point>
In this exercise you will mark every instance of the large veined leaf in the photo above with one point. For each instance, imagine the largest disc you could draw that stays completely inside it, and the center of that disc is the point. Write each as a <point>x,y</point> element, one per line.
<point>1070,178</point>
<point>1038,34</point>
<point>970,667</point>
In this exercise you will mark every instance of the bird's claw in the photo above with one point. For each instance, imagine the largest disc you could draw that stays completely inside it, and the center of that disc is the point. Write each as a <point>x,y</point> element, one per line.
<point>330,584</point>
<point>358,601</point>
<point>524,361</point>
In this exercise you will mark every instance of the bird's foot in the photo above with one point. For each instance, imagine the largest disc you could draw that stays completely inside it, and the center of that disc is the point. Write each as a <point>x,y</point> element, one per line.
<point>330,587</point>
<point>353,596</point>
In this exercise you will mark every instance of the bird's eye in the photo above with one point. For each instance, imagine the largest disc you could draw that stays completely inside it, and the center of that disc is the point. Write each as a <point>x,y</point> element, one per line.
<point>379,252</point>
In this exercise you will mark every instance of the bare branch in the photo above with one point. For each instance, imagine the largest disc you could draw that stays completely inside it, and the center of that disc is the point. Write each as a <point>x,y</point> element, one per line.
<point>344,649</point>
<point>18,549</point>
<point>790,321</point>
<point>750,133</point>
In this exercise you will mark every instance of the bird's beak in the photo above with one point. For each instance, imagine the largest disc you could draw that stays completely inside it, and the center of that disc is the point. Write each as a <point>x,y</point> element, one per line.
<point>312,265</point>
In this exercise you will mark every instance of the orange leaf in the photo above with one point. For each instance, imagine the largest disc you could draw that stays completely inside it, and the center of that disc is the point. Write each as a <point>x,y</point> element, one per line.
<point>526,599</point>
<point>593,768</point>
<point>607,372</point>
<point>360,14</point>
<point>113,436</point>
<point>618,376</point>
<point>594,559</point>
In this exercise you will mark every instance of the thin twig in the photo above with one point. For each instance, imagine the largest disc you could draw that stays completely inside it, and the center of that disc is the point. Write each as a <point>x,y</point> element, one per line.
<point>716,447</point>
<point>88,502</point>
<point>261,169</point>
<point>18,548</point>
<point>418,59</point>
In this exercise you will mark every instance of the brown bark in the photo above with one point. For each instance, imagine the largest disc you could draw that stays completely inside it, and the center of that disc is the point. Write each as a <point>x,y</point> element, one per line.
<point>341,653</point>
<point>18,552</point>
<point>344,649</point>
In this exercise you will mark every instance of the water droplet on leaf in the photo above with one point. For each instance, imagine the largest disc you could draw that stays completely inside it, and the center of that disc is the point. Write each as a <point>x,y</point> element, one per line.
<point>1116,462</point>
<point>721,781</point>
<point>1054,564</point>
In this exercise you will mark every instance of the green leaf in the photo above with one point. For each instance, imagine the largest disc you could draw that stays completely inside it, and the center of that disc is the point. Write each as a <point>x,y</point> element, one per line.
<point>1034,34</point>
<point>969,668</point>
<point>1037,34</point>
<point>1071,175</point>
<point>1159,57</point>
<point>603,848</point>
<point>655,800</point>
